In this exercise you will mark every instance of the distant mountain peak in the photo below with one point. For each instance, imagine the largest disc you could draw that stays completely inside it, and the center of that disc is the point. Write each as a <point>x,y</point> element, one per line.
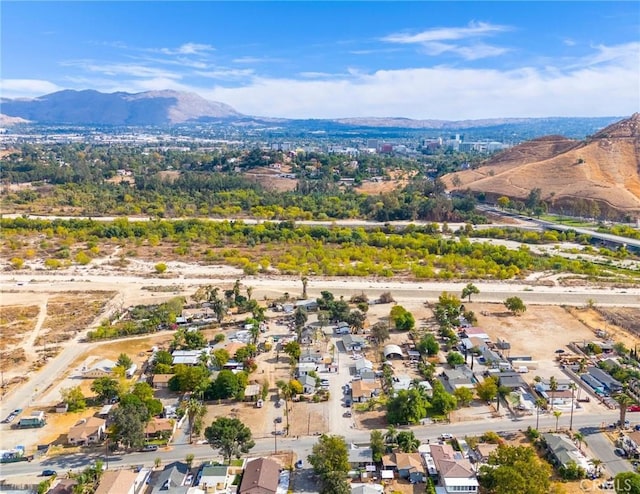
<point>164,107</point>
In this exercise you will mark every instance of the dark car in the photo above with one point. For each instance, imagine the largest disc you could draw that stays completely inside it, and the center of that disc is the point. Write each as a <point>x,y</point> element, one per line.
<point>48,473</point>
<point>150,447</point>
<point>559,350</point>
<point>620,452</point>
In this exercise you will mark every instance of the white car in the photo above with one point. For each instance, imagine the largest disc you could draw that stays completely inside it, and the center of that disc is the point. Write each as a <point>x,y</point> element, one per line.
<point>446,436</point>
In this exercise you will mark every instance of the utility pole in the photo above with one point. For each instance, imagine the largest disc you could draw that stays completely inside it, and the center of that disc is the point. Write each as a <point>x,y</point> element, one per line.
<point>106,452</point>
<point>275,436</point>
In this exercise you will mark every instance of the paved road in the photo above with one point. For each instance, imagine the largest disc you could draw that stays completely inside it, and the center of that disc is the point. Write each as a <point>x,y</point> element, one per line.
<point>602,448</point>
<point>302,445</point>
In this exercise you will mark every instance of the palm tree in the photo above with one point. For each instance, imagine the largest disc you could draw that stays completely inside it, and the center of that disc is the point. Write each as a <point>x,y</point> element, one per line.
<point>287,392</point>
<point>572,387</point>
<point>540,402</point>
<point>579,438</point>
<point>408,442</point>
<point>624,400</point>
<point>195,411</point>
<point>304,281</point>
<point>391,436</point>
<point>249,292</point>
<point>553,387</point>
<point>557,414</point>
<point>596,463</point>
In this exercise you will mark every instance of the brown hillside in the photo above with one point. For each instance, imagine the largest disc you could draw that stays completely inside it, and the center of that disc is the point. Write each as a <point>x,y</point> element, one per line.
<point>603,169</point>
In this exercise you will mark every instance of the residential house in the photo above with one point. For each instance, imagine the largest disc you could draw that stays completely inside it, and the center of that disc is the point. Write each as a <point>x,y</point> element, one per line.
<point>302,369</point>
<point>472,331</point>
<point>545,384</point>
<point>560,398</point>
<point>455,473</point>
<point>367,489</point>
<point>64,486</point>
<point>407,465</point>
<point>157,427</point>
<point>308,384</point>
<point>490,358</point>
<point>311,355</point>
<point>562,450</point>
<point>511,380</point>
<point>171,480</point>
<point>343,328</point>
<point>261,476</point>
<point>87,431</point>
<point>469,344</point>
<point>359,457</point>
<point>610,384</point>
<point>596,385</point>
<point>362,365</point>
<point>161,381</point>
<point>401,382</point>
<point>309,305</point>
<point>368,375</point>
<point>122,482</point>
<point>353,343</point>
<point>483,450</point>
<point>215,479</point>
<point>460,377</point>
<point>362,391</point>
<point>189,357</point>
<point>103,368</point>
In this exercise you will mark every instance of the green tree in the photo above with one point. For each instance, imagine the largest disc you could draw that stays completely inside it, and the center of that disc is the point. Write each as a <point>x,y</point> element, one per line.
<point>356,320</point>
<point>454,359</point>
<point>305,282</point>
<point>124,361</point>
<point>515,305</point>
<point>402,319</point>
<point>504,202</point>
<point>487,390</point>
<point>429,345</point>
<point>407,442</point>
<point>407,407</point>
<point>188,378</point>
<point>128,423</point>
<point>226,385</point>
<point>624,400</point>
<point>380,332</point>
<point>300,318</point>
<point>464,396</point>
<point>627,483</point>
<point>230,436</point>
<point>468,290</point>
<point>557,414</point>
<point>515,470</point>
<point>441,401</point>
<point>195,410</point>
<point>293,350</point>
<point>220,357</point>
<point>105,388</point>
<point>189,459</point>
<point>74,398</point>
<point>160,268</point>
<point>330,460</point>
<point>376,441</point>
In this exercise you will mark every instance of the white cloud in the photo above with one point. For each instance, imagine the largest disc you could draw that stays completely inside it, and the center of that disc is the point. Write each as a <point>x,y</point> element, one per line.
<point>473,30</point>
<point>448,93</point>
<point>123,69</point>
<point>26,88</point>
<point>227,74</point>
<point>188,49</point>
<point>252,60</point>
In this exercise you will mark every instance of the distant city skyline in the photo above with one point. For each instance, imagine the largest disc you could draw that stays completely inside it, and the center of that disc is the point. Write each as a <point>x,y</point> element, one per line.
<point>320,59</point>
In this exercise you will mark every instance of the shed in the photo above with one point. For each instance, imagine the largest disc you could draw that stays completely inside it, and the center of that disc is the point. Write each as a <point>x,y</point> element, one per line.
<point>392,351</point>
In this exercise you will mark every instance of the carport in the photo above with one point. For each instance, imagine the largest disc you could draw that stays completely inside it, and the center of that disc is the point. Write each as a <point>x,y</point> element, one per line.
<point>392,351</point>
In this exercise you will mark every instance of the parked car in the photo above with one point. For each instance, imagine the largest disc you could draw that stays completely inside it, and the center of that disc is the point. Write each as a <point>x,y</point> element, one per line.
<point>48,473</point>
<point>620,452</point>
<point>445,436</point>
<point>278,420</point>
<point>299,464</point>
<point>150,447</point>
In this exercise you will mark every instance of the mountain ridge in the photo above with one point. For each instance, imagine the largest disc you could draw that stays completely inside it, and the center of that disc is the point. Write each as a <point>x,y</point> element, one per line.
<point>168,107</point>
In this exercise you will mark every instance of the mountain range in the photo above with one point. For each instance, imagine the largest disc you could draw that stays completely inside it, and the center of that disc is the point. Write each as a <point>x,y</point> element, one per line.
<point>597,176</point>
<point>163,108</point>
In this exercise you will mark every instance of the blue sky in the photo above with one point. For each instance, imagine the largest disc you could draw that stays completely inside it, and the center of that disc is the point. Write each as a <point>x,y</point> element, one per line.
<point>320,59</point>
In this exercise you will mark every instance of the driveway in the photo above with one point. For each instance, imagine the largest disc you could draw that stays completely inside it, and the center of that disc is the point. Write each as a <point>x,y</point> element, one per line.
<point>338,423</point>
